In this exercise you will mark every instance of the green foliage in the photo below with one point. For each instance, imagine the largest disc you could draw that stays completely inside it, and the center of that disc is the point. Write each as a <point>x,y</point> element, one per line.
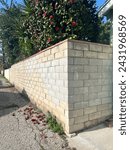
<point>24,30</point>
<point>53,125</point>
<point>105,30</point>
<point>8,31</point>
<point>51,21</point>
<point>15,43</point>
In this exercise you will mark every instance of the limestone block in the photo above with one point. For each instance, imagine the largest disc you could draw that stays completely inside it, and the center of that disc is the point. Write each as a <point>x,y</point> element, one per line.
<point>75,68</point>
<point>103,94</point>
<point>59,69</point>
<point>75,53</point>
<point>59,55</point>
<point>63,76</point>
<point>81,119</point>
<point>91,82</point>
<point>70,91</point>
<point>76,83</point>
<point>65,53</point>
<point>44,59</point>
<point>81,76</point>
<point>93,95</point>
<point>107,112</point>
<point>90,54</point>
<point>103,56</point>
<point>106,100</point>
<point>63,46</point>
<point>106,87</point>
<point>70,45</point>
<point>95,115</point>
<point>50,57</point>
<point>81,61</point>
<point>90,110</point>
<point>94,89</point>
<point>91,123</point>
<point>107,49</point>
<point>80,105</point>
<point>95,102</point>
<point>71,121</point>
<point>107,75</point>
<point>65,83</point>
<point>54,50</point>
<point>75,113</point>
<point>95,62</point>
<point>110,56</point>
<point>65,69</point>
<point>75,98</point>
<point>70,61</point>
<point>104,69</point>
<point>47,64</point>
<point>47,52</point>
<point>60,83</point>
<point>63,61</point>
<point>82,46</point>
<point>71,76</point>
<point>107,62</point>
<point>94,76</point>
<point>90,69</point>
<point>55,63</point>
<point>80,90</point>
<point>96,47</point>
<point>76,127</point>
<point>103,107</point>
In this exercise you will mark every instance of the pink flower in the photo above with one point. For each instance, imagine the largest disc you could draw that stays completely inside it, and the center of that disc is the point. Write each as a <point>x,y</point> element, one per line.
<point>51,16</point>
<point>44,14</point>
<point>37,1</point>
<point>49,40</point>
<point>74,24</point>
<point>57,28</point>
<point>51,23</point>
<point>72,1</point>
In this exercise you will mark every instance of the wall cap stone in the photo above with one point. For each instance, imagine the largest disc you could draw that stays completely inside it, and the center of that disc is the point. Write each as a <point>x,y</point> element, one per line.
<point>62,42</point>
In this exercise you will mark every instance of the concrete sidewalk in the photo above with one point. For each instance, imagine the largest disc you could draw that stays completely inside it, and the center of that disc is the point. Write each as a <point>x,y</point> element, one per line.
<point>96,138</point>
<point>10,99</point>
<point>4,82</point>
<point>14,131</point>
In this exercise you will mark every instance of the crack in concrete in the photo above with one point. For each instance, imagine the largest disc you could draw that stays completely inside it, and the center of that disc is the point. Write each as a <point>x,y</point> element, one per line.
<point>35,134</point>
<point>35,138</point>
<point>29,126</point>
<point>32,130</point>
<point>18,123</point>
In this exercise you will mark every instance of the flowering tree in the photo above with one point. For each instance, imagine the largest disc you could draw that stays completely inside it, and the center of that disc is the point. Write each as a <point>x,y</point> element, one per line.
<point>50,21</point>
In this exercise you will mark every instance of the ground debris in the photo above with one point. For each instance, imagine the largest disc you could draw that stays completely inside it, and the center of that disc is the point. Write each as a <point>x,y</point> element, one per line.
<point>47,138</point>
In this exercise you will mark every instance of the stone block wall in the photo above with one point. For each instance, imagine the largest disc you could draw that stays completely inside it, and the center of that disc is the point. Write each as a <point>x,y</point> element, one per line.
<point>43,78</point>
<point>89,84</point>
<point>72,80</point>
<point>7,73</point>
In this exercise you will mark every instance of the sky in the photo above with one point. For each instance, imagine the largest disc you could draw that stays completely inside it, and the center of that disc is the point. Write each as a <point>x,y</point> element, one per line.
<point>99,2</point>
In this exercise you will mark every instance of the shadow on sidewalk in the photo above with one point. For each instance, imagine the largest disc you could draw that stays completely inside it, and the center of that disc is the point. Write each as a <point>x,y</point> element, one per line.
<point>11,100</point>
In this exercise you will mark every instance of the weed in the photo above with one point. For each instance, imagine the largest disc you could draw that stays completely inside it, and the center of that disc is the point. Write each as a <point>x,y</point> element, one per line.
<point>54,125</point>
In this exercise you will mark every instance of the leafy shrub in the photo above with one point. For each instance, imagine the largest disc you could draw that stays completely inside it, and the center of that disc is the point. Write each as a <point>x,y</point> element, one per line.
<point>50,21</point>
